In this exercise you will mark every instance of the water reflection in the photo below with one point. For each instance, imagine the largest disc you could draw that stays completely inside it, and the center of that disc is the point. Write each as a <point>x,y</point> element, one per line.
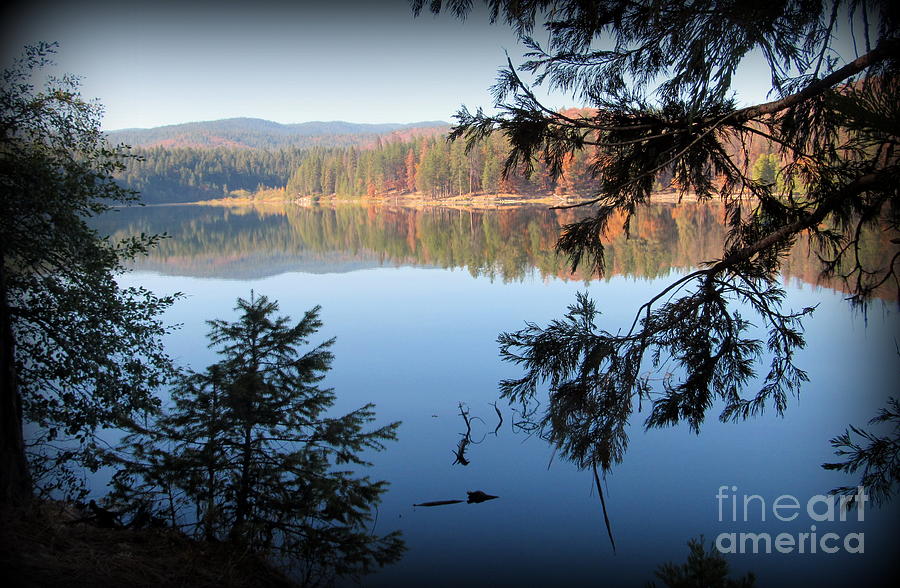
<point>508,244</point>
<point>418,341</point>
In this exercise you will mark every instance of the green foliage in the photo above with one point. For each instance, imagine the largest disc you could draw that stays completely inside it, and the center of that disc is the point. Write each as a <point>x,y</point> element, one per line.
<point>88,353</point>
<point>433,175</point>
<point>703,569</point>
<point>657,77</point>
<point>247,454</point>
<point>186,174</point>
<point>427,165</point>
<point>765,170</point>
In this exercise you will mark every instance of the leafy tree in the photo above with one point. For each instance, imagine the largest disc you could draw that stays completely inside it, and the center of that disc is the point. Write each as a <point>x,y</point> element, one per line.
<point>703,569</point>
<point>78,352</point>
<point>658,77</point>
<point>246,454</point>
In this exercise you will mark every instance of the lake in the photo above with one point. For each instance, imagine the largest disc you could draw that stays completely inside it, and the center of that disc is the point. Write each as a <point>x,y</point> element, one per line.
<point>416,299</point>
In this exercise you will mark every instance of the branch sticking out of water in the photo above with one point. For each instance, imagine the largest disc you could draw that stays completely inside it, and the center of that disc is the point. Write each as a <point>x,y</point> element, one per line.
<point>460,452</point>
<point>499,416</point>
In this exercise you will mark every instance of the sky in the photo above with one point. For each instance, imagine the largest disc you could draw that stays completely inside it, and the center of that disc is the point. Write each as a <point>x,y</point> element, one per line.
<point>163,62</point>
<point>159,62</point>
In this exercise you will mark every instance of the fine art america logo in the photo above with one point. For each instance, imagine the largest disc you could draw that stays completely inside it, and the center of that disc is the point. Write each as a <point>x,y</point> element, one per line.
<point>752,508</point>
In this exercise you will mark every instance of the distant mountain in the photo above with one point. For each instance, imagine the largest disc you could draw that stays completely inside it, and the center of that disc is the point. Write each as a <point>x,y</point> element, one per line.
<point>255,133</point>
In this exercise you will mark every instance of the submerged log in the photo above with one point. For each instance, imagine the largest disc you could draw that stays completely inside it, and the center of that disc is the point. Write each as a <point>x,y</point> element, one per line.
<point>438,503</point>
<point>474,498</point>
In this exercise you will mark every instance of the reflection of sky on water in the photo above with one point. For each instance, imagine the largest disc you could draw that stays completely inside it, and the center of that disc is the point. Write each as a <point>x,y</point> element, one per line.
<point>418,341</point>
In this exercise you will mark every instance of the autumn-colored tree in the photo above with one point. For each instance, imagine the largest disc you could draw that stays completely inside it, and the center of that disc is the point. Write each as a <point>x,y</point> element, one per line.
<point>410,169</point>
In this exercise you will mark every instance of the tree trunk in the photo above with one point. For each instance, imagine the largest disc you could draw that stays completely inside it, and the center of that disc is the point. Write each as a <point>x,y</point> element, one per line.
<point>209,529</point>
<point>242,500</point>
<point>243,495</point>
<point>15,480</point>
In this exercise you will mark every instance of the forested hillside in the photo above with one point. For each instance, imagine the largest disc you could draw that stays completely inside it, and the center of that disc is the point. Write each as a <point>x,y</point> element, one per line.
<point>429,165</point>
<point>188,174</point>
<point>411,160</point>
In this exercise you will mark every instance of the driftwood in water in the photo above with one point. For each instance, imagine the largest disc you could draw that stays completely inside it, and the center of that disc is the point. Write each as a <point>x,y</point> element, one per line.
<point>474,498</point>
<point>438,503</point>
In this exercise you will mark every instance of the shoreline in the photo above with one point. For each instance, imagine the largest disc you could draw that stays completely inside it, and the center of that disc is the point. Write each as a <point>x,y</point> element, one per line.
<point>413,200</point>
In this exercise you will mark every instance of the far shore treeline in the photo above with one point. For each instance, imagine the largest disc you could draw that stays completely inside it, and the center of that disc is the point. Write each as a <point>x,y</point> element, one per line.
<point>427,164</point>
<point>509,243</point>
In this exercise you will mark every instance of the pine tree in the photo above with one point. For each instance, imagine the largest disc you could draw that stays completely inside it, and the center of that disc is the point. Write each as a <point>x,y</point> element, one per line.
<point>658,78</point>
<point>765,170</point>
<point>703,569</point>
<point>246,453</point>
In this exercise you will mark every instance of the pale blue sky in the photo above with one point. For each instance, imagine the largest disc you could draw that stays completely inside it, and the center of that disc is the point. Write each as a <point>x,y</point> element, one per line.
<point>167,62</point>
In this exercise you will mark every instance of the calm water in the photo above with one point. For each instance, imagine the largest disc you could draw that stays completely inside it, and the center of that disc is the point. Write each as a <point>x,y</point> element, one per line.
<point>416,299</point>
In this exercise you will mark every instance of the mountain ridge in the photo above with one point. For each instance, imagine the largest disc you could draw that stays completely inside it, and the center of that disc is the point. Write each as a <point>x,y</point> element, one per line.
<point>258,133</point>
